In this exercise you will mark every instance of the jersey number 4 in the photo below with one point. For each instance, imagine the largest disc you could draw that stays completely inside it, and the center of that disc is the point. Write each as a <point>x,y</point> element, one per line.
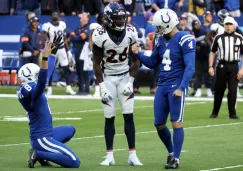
<point>113,53</point>
<point>166,60</point>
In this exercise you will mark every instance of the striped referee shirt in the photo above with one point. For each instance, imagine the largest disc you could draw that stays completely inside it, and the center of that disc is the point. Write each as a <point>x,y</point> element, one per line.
<point>229,46</point>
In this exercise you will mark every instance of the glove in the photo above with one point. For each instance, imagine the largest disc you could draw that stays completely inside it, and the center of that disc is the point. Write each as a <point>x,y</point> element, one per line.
<point>104,93</point>
<point>70,56</point>
<point>57,42</point>
<point>128,89</point>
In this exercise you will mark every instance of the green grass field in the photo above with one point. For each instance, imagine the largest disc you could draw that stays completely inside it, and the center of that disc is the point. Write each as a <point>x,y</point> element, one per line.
<point>209,143</point>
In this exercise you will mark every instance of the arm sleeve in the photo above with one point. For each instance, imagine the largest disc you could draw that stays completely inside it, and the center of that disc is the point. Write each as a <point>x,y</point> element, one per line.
<point>152,61</point>
<point>45,27</point>
<point>51,65</point>
<point>97,38</point>
<point>25,41</point>
<point>188,50</point>
<point>41,84</point>
<point>82,37</point>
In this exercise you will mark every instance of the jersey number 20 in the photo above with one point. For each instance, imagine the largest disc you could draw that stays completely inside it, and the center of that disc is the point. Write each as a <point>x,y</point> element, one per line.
<point>166,60</point>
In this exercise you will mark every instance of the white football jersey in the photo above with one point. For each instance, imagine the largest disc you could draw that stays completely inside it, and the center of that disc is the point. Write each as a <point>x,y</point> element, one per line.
<point>53,30</point>
<point>115,60</point>
<point>217,28</point>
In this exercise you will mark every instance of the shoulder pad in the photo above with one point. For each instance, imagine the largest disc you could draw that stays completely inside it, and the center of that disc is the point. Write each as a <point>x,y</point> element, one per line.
<point>98,36</point>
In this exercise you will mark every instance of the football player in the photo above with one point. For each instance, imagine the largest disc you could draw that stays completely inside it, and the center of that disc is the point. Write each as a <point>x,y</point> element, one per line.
<point>46,141</point>
<point>174,52</point>
<point>111,45</point>
<point>64,56</point>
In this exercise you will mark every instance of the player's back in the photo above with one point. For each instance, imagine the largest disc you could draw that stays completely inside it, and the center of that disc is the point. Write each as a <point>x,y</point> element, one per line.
<point>38,111</point>
<point>115,60</point>
<point>171,52</point>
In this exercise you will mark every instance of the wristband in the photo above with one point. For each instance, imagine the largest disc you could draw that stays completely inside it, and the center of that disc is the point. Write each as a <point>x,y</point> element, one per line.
<point>44,58</point>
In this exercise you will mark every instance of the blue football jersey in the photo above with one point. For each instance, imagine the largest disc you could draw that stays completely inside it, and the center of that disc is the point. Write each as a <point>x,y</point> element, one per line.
<point>33,99</point>
<point>173,56</point>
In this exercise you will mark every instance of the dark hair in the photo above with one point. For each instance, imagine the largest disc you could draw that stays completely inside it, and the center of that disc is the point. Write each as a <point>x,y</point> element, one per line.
<point>100,18</point>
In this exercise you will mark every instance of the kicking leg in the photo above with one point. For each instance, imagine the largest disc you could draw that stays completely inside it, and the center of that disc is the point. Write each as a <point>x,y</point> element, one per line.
<point>176,115</point>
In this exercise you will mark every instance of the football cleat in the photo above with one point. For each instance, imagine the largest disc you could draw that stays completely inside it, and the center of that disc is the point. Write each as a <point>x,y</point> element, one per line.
<point>44,163</point>
<point>169,158</point>
<point>173,164</point>
<point>32,158</point>
<point>133,160</point>
<point>108,162</point>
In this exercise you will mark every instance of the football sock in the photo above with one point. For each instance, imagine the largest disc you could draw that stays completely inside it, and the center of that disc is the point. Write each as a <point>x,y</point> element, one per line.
<point>58,158</point>
<point>109,132</point>
<point>165,137</point>
<point>178,139</point>
<point>109,154</point>
<point>129,129</point>
<point>66,72</point>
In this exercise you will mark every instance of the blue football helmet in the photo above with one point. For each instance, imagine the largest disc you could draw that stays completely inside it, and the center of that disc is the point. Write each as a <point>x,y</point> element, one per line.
<point>222,14</point>
<point>115,16</point>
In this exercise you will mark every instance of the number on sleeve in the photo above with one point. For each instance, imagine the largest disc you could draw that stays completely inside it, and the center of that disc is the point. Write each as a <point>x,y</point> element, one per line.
<point>166,60</point>
<point>27,87</point>
<point>190,45</point>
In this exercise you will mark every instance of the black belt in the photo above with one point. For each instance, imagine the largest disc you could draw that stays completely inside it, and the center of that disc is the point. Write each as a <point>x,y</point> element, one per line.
<point>124,73</point>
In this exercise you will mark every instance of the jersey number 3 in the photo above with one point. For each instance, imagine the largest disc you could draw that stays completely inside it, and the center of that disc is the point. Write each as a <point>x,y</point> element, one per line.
<point>166,60</point>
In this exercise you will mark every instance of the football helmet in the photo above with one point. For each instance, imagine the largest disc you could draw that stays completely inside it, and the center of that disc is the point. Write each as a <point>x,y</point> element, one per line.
<point>115,16</point>
<point>222,14</point>
<point>28,73</point>
<point>165,20</point>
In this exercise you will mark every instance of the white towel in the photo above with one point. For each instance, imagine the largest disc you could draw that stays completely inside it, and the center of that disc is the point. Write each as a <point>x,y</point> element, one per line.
<point>88,63</point>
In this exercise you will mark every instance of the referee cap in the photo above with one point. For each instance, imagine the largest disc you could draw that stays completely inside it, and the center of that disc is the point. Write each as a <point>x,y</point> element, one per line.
<point>229,20</point>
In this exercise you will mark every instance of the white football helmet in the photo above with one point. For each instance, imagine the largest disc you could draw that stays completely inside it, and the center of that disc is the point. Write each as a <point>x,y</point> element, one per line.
<point>165,20</point>
<point>28,73</point>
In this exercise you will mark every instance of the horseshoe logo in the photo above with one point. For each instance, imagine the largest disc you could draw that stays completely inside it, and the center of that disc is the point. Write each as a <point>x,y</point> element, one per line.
<point>162,18</point>
<point>27,75</point>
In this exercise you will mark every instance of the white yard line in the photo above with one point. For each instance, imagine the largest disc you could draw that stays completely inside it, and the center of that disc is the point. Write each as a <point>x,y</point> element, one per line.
<point>145,132</point>
<point>25,119</point>
<point>98,98</point>
<point>99,110</point>
<point>223,168</point>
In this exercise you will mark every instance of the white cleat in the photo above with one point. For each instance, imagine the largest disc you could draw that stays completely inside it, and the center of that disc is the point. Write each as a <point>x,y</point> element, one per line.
<point>198,93</point>
<point>70,91</point>
<point>108,162</point>
<point>134,161</point>
<point>49,91</point>
<point>209,93</point>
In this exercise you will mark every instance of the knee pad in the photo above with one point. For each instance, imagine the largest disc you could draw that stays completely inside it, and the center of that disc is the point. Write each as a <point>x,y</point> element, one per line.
<point>109,112</point>
<point>160,127</point>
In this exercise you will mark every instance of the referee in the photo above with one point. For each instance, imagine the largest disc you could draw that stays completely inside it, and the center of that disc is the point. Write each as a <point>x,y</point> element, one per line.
<point>229,46</point>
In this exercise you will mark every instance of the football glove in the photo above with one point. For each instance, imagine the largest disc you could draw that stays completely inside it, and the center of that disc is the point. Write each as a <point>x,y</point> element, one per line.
<point>104,93</point>
<point>56,44</point>
<point>128,89</point>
